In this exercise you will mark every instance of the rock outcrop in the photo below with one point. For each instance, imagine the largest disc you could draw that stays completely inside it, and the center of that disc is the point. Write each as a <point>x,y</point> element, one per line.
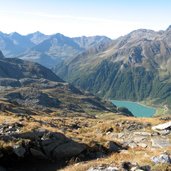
<point>163,158</point>
<point>163,128</point>
<point>39,144</point>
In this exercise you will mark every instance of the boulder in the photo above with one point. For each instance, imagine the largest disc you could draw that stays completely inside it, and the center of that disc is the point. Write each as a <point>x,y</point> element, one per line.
<point>132,144</point>
<point>37,153</point>
<point>143,145</point>
<point>160,142</point>
<point>163,158</point>
<point>19,150</point>
<point>163,128</point>
<point>48,146</point>
<point>68,150</point>
<point>112,146</point>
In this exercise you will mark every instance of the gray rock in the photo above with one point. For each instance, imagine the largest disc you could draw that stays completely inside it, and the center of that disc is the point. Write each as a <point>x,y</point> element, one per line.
<point>138,138</point>
<point>121,135</point>
<point>103,168</point>
<point>160,142</point>
<point>26,135</point>
<point>162,126</point>
<point>19,150</point>
<point>112,146</point>
<point>142,133</point>
<point>68,150</point>
<point>144,168</point>
<point>49,145</point>
<point>163,129</point>
<point>164,132</point>
<point>143,145</point>
<point>163,158</point>
<point>132,145</point>
<point>37,153</point>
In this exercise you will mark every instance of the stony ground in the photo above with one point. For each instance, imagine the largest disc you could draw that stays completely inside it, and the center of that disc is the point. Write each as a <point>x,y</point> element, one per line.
<point>79,143</point>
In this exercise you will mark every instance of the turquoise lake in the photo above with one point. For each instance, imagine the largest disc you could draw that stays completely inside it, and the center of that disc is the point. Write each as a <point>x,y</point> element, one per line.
<point>137,109</point>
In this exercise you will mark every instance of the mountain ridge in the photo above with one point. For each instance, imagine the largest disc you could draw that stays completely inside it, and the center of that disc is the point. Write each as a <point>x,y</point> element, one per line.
<point>135,67</point>
<point>139,61</point>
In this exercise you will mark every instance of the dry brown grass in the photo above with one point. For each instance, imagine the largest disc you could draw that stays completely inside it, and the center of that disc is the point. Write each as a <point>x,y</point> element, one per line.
<point>138,155</point>
<point>90,132</point>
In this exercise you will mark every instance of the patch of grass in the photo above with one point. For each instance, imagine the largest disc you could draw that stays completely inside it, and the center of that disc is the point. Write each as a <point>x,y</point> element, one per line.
<point>161,167</point>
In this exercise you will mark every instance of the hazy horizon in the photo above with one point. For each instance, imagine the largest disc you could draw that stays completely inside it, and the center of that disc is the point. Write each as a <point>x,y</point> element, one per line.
<point>83,18</point>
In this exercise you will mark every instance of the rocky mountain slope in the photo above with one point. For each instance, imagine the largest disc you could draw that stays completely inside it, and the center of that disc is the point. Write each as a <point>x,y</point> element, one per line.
<point>30,87</point>
<point>135,67</point>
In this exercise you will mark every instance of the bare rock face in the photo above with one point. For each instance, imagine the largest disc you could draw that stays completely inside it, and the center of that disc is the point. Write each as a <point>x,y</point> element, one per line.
<point>42,145</point>
<point>160,142</point>
<point>68,150</point>
<point>163,128</point>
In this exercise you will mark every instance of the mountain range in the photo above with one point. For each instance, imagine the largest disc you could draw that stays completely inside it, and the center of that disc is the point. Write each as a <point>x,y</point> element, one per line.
<point>133,67</point>
<point>49,50</point>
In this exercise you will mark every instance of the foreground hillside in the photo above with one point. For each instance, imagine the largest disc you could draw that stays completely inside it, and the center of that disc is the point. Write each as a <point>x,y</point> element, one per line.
<point>135,67</point>
<point>49,143</point>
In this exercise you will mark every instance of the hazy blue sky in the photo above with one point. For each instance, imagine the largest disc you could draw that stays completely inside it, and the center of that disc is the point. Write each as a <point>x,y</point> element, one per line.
<point>112,18</point>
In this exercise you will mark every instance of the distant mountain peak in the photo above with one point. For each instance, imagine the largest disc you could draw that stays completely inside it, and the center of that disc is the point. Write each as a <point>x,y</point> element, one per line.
<point>38,33</point>
<point>142,31</point>
<point>37,37</point>
<point>15,34</point>
<point>58,35</point>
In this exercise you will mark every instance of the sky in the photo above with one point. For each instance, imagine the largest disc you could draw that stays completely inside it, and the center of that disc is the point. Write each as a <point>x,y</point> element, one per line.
<point>112,18</point>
